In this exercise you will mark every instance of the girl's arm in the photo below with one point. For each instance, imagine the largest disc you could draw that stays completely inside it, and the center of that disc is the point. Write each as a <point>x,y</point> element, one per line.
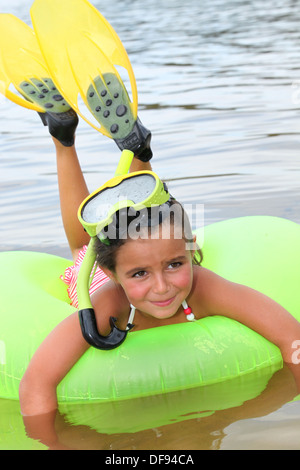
<point>62,348</point>
<point>250,307</point>
<point>50,363</point>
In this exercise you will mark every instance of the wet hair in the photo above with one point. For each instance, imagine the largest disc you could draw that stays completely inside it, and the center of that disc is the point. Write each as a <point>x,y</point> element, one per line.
<point>130,224</point>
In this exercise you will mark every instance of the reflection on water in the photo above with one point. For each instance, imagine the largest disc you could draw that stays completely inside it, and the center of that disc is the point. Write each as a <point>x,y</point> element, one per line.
<point>221,416</point>
<point>278,430</point>
<point>219,86</point>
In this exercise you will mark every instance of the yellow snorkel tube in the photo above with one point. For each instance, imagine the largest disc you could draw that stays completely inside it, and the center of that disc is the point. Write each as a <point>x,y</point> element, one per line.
<point>137,190</point>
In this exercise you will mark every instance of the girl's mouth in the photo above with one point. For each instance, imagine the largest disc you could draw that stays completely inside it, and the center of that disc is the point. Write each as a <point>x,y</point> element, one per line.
<point>163,303</point>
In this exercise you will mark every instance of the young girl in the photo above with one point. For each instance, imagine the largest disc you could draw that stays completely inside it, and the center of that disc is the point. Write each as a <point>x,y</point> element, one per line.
<point>154,273</point>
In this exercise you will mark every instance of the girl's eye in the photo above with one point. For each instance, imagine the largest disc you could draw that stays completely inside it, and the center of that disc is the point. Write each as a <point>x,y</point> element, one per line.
<point>175,264</point>
<point>139,274</point>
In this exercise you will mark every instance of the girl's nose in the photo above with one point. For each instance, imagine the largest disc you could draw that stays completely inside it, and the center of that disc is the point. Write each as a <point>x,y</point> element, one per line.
<point>160,285</point>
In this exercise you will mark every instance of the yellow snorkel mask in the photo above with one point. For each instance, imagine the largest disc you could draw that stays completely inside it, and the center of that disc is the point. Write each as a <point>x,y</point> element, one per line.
<point>138,190</point>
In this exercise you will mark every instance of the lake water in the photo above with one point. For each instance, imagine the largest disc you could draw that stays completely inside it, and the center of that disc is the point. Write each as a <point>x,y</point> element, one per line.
<point>219,87</point>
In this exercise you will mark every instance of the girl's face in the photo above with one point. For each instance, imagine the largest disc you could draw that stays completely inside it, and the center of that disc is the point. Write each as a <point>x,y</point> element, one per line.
<point>156,274</point>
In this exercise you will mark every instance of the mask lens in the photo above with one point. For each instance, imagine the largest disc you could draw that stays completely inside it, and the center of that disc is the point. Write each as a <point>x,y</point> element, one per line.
<point>136,189</point>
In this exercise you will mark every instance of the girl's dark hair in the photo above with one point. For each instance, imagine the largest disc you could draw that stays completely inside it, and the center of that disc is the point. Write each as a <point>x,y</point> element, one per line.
<point>127,224</point>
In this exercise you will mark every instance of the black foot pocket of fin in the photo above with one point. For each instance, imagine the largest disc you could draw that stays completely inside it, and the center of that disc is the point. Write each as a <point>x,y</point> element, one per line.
<point>58,116</point>
<point>62,126</point>
<point>138,141</point>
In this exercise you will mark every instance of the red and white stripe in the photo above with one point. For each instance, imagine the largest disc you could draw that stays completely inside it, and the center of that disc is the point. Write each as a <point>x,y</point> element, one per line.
<point>71,275</point>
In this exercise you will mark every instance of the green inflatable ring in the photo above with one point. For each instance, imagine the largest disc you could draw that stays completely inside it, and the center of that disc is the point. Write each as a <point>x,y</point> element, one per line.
<point>261,252</point>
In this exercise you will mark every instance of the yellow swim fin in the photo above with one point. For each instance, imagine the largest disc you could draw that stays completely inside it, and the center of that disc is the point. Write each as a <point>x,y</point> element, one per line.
<point>82,51</point>
<point>23,67</point>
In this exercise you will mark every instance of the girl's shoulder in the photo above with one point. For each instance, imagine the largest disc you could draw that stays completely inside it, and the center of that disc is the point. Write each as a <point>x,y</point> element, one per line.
<point>204,273</point>
<point>205,291</point>
<point>203,281</point>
